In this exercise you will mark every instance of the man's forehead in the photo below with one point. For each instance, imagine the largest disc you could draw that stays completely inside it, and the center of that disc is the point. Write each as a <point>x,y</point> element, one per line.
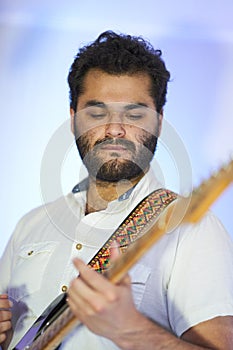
<point>105,88</point>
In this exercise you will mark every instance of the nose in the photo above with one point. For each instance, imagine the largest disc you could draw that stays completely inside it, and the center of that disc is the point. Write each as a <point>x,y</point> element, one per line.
<point>115,127</point>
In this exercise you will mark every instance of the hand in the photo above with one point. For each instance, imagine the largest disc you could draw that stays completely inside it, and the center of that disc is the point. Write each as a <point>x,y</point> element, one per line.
<point>106,309</point>
<point>5,316</point>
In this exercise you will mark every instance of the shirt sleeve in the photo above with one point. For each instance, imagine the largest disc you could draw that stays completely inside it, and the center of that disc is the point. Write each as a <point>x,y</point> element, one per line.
<point>201,282</point>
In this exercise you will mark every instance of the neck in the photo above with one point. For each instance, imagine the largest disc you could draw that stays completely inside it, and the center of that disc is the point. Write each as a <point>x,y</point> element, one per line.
<point>100,193</point>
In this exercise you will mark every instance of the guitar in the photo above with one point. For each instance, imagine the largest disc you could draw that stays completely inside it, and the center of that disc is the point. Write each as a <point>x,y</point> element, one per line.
<point>57,320</point>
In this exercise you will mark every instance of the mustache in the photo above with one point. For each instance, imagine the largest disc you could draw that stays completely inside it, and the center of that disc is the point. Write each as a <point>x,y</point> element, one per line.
<point>122,142</point>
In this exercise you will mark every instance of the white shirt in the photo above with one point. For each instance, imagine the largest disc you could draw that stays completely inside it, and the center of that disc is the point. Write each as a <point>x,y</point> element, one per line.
<point>184,279</point>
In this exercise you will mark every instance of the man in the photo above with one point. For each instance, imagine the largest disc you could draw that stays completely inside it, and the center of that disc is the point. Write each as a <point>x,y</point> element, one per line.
<point>180,294</point>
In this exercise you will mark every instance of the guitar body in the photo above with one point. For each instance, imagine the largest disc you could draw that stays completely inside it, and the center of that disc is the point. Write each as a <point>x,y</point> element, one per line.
<point>43,322</point>
<point>49,330</point>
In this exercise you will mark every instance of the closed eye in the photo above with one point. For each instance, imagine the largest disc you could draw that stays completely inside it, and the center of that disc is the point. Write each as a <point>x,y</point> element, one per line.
<point>98,115</point>
<point>134,116</point>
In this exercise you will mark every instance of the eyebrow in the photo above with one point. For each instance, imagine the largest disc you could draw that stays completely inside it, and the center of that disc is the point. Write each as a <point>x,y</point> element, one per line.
<point>135,105</point>
<point>94,103</point>
<point>127,107</point>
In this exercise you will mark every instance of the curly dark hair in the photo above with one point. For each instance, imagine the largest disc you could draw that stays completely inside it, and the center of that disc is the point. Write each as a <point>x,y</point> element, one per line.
<point>120,54</point>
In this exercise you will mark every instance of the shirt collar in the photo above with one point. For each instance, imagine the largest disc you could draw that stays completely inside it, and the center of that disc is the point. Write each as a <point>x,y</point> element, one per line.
<point>83,185</point>
<point>147,184</point>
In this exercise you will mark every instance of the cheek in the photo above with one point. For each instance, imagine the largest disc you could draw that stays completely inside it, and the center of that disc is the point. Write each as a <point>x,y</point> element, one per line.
<point>142,137</point>
<point>88,140</point>
<point>137,135</point>
<point>90,133</point>
<point>146,140</point>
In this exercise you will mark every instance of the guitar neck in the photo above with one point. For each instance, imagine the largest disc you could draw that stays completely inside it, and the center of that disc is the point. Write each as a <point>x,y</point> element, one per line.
<point>184,209</point>
<point>207,193</point>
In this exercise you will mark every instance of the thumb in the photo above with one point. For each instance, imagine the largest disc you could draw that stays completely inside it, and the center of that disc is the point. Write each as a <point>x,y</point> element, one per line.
<point>114,251</point>
<point>115,255</point>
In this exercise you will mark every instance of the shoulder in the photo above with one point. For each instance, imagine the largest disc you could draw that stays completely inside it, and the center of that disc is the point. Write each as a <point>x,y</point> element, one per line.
<point>47,216</point>
<point>209,231</point>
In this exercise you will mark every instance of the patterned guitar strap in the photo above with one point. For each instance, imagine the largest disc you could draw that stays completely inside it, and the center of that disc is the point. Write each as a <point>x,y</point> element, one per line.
<point>130,229</point>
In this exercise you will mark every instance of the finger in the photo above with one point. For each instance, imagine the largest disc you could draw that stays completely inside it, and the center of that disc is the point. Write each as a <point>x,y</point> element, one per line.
<point>2,337</point>
<point>83,300</point>
<point>114,251</point>
<point>97,281</point>
<point>5,315</point>
<point>5,326</point>
<point>3,296</point>
<point>115,254</point>
<point>78,305</point>
<point>81,294</point>
<point>92,278</point>
<point>126,280</point>
<point>5,304</point>
<point>93,288</point>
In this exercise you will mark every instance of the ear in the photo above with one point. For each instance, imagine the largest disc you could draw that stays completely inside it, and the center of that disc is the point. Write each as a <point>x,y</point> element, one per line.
<point>160,121</point>
<point>72,115</point>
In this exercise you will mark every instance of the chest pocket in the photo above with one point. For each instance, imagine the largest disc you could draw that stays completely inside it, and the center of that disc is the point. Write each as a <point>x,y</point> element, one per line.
<point>29,268</point>
<point>139,275</point>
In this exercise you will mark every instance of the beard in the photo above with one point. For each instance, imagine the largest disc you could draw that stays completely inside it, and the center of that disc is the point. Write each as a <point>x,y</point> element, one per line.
<point>117,168</point>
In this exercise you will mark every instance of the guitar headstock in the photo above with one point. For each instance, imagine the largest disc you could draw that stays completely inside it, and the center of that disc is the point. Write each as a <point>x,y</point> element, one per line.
<point>208,191</point>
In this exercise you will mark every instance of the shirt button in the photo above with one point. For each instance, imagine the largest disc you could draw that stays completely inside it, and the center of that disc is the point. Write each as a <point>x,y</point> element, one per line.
<point>79,246</point>
<point>64,289</point>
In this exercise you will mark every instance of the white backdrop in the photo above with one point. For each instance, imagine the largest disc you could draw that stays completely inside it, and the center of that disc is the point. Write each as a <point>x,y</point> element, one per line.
<point>38,42</point>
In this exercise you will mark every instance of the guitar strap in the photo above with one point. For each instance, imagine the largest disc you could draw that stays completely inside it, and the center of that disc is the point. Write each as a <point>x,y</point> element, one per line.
<point>130,229</point>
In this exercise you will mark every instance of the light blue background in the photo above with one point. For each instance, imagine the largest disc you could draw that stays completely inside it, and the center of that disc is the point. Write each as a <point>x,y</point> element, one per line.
<point>38,41</point>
